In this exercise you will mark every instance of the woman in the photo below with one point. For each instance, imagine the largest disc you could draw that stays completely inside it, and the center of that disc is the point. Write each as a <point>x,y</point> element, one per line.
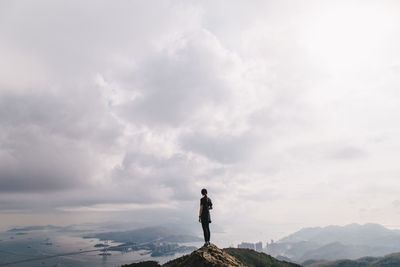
<point>204,215</point>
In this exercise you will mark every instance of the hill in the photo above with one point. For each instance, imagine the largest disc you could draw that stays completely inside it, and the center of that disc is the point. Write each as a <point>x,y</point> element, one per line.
<point>391,260</point>
<point>253,258</point>
<point>212,256</point>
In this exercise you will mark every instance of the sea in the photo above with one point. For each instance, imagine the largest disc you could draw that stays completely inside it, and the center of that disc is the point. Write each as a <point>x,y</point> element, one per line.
<point>57,248</point>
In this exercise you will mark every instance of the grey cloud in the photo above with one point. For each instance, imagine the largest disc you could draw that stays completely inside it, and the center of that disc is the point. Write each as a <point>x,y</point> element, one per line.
<point>31,161</point>
<point>49,141</point>
<point>174,85</point>
<point>167,177</point>
<point>100,34</point>
<point>66,113</point>
<point>332,150</point>
<point>222,148</point>
<point>396,203</point>
<point>269,194</point>
<point>236,97</point>
<point>348,152</point>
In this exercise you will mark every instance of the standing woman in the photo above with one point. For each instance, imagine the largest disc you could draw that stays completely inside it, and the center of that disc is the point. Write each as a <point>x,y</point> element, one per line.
<point>204,215</point>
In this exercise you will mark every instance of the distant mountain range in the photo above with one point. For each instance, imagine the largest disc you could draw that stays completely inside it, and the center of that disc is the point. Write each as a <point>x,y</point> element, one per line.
<point>212,256</point>
<point>330,243</point>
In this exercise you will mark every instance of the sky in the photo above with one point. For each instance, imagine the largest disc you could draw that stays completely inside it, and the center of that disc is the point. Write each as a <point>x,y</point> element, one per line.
<point>286,111</point>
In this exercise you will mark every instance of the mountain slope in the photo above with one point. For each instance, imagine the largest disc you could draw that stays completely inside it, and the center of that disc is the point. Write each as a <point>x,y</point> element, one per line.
<point>212,256</point>
<point>253,258</point>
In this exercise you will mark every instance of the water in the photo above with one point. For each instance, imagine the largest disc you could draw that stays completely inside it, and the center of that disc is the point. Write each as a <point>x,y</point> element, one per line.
<point>33,244</point>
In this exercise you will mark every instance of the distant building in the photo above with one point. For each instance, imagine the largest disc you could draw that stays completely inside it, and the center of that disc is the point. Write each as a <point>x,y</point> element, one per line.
<point>247,245</point>
<point>254,246</point>
<point>259,246</point>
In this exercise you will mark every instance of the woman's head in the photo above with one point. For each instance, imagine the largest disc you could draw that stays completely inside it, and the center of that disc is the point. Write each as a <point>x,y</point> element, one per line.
<point>204,191</point>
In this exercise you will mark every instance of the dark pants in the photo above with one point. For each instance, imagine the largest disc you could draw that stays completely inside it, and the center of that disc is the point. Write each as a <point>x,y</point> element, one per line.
<point>206,230</point>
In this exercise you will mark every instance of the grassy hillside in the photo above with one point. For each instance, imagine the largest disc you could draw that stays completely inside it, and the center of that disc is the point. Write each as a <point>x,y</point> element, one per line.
<point>252,258</point>
<point>143,264</point>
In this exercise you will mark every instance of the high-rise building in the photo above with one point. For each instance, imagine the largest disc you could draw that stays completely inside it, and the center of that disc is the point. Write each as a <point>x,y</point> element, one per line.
<point>259,246</point>
<point>246,245</point>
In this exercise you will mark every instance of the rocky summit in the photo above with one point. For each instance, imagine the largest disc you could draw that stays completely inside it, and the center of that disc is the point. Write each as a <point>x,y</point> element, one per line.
<point>212,256</point>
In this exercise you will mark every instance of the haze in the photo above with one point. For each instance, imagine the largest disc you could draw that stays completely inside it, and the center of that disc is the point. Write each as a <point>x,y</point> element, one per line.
<point>286,111</point>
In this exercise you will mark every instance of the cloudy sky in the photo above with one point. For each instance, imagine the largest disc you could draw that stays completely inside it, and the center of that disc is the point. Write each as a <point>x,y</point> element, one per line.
<point>288,112</point>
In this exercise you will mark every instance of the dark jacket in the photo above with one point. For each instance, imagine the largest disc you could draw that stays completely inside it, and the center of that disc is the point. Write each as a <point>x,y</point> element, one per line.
<point>206,204</point>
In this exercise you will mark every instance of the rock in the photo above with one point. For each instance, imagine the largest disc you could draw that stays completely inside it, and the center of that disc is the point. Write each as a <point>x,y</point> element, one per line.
<point>210,256</point>
<point>143,264</point>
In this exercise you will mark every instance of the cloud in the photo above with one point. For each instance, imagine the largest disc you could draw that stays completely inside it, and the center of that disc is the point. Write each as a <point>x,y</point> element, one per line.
<point>176,83</point>
<point>163,177</point>
<point>50,140</point>
<point>112,106</point>
<point>221,148</point>
<point>348,152</point>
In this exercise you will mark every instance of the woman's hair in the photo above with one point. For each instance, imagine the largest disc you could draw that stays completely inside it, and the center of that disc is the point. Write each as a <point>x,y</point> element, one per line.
<point>204,191</point>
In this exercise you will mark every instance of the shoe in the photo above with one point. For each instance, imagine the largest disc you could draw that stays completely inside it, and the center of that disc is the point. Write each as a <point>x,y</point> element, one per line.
<point>205,244</point>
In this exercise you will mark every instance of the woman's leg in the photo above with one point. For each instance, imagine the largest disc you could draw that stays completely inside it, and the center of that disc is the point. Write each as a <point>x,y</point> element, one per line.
<point>206,231</point>
<point>209,232</point>
<point>204,225</point>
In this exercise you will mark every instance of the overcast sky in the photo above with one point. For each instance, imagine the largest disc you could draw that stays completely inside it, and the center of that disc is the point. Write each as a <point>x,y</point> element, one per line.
<point>288,112</point>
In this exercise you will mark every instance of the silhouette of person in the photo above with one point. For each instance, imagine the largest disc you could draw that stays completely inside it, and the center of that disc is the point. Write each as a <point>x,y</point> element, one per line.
<point>204,215</point>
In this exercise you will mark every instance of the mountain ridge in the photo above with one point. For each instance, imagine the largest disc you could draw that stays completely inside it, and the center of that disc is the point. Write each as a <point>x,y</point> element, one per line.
<point>212,256</point>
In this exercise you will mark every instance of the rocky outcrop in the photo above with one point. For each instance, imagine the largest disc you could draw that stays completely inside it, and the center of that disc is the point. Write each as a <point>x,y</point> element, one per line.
<point>212,256</point>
